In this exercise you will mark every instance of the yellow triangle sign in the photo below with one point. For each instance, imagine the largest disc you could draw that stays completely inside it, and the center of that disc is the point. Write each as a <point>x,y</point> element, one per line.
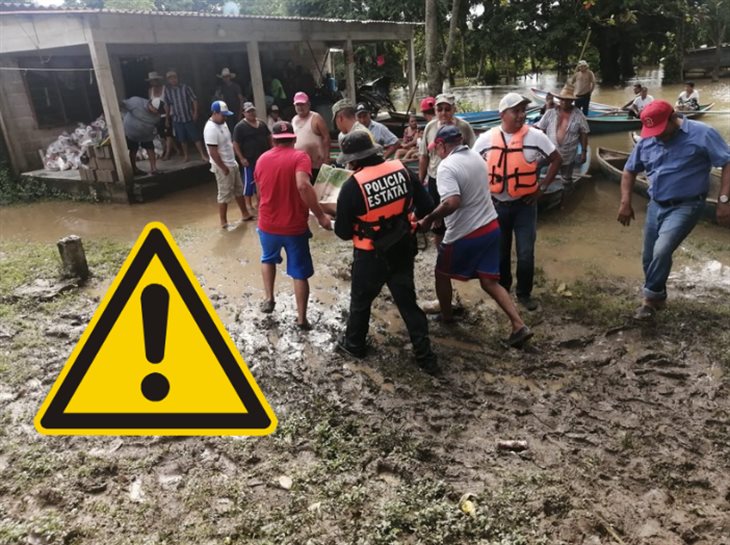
<point>155,359</point>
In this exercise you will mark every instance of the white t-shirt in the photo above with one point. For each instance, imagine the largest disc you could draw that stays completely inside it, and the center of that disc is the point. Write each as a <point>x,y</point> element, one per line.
<point>684,98</point>
<point>540,148</point>
<point>220,136</point>
<point>462,173</point>
<point>641,103</point>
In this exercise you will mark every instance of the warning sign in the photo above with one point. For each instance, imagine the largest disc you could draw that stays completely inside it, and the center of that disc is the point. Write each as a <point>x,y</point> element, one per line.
<point>155,359</point>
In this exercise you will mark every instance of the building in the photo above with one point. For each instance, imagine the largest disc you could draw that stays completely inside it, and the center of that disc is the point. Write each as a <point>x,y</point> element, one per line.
<point>59,67</point>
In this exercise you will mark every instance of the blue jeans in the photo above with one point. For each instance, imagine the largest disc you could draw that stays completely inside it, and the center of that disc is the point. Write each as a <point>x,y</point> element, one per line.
<point>665,229</point>
<point>521,219</point>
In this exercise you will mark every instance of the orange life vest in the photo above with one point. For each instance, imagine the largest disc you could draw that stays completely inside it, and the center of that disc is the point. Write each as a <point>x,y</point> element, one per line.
<point>506,163</point>
<point>384,189</point>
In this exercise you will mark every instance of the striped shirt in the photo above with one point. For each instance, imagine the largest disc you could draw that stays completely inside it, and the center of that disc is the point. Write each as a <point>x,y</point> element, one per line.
<point>180,99</point>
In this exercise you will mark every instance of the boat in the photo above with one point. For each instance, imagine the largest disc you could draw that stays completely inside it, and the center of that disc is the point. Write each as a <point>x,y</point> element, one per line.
<point>596,107</point>
<point>620,121</point>
<point>612,164</point>
<point>559,189</point>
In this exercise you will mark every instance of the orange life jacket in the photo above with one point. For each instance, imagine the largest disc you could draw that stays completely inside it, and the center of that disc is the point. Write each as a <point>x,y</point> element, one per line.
<point>506,163</point>
<point>384,189</point>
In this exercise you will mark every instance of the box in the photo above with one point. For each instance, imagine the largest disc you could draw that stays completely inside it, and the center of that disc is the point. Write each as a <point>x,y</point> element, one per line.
<point>104,164</point>
<point>108,176</point>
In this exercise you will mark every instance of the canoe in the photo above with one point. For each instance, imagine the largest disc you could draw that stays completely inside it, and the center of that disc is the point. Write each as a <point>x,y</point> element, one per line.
<point>560,188</point>
<point>619,122</point>
<point>612,164</point>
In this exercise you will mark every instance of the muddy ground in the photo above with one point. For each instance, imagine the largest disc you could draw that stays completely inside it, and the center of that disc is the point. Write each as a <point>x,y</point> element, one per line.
<point>626,424</point>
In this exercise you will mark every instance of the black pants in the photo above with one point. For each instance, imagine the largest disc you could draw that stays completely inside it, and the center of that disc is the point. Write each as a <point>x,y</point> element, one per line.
<point>518,219</point>
<point>582,102</point>
<point>370,271</point>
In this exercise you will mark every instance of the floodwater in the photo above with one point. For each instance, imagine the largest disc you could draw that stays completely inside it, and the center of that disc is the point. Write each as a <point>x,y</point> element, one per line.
<point>580,239</point>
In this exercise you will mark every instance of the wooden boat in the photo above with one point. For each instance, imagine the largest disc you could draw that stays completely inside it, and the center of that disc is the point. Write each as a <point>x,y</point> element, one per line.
<point>612,164</point>
<point>559,189</point>
<point>620,121</point>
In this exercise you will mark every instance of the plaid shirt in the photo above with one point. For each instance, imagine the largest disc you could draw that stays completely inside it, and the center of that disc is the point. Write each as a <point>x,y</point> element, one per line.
<point>180,99</point>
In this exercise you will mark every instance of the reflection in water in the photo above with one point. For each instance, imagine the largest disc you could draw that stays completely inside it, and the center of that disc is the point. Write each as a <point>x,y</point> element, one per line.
<point>583,237</point>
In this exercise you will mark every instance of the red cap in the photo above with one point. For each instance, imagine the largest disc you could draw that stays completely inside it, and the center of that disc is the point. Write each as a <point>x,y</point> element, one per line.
<point>654,118</point>
<point>428,103</point>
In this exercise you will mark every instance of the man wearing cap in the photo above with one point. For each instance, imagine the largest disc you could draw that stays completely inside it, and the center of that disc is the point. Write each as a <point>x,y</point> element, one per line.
<point>223,162</point>
<point>514,153</point>
<point>285,198</point>
<point>273,117</point>
<point>584,82</point>
<point>677,154</point>
<point>372,211</point>
<point>230,92</point>
<point>181,107</point>
<point>343,115</point>
<point>428,108</point>
<point>470,248</point>
<point>566,127</point>
<point>141,116</point>
<point>251,138</point>
<point>313,136</point>
<point>428,161</point>
<point>380,132</point>
<point>157,91</point>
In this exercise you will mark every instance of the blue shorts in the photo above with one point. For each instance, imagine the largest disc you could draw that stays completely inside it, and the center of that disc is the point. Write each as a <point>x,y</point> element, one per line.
<point>474,256</point>
<point>186,131</point>
<point>249,184</point>
<point>298,258</point>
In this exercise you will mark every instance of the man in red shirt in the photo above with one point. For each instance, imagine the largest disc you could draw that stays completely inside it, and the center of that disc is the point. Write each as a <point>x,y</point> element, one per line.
<point>285,198</point>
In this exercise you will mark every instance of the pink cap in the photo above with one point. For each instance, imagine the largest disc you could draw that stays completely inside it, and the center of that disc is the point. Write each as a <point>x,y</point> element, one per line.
<point>301,98</point>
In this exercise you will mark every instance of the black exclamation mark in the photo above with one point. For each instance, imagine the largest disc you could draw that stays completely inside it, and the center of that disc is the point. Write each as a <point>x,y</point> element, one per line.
<point>155,305</point>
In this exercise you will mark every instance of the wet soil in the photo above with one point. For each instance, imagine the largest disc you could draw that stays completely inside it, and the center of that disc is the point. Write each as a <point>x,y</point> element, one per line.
<point>626,424</point>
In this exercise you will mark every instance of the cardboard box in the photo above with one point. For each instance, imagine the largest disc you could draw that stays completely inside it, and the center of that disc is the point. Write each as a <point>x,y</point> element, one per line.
<point>103,152</point>
<point>104,164</point>
<point>108,176</point>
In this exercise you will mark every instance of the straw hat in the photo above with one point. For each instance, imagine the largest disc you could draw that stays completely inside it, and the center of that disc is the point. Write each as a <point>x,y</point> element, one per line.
<point>226,72</point>
<point>152,76</point>
<point>567,92</point>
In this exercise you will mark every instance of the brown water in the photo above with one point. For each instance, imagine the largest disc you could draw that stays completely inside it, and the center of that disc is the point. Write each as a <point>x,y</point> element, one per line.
<point>584,237</point>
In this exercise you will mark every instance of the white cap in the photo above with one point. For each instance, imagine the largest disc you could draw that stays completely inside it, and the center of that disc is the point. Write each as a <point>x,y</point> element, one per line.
<point>511,100</point>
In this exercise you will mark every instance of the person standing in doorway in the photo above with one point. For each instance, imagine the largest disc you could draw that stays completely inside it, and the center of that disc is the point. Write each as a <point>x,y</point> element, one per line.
<point>584,82</point>
<point>251,138</point>
<point>514,153</point>
<point>181,107</point>
<point>286,197</point>
<point>164,131</point>
<point>223,162</point>
<point>677,155</point>
<point>230,92</point>
<point>141,116</point>
<point>313,136</point>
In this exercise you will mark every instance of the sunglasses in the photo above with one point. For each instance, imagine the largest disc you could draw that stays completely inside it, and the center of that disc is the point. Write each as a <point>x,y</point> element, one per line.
<point>443,108</point>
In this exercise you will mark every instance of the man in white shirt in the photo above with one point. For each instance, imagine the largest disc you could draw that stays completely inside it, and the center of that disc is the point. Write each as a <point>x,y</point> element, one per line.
<point>470,248</point>
<point>380,132</point>
<point>640,102</point>
<point>516,187</point>
<point>223,164</point>
<point>689,99</point>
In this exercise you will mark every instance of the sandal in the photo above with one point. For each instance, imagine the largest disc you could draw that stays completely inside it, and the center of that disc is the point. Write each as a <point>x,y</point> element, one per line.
<point>267,306</point>
<point>520,337</point>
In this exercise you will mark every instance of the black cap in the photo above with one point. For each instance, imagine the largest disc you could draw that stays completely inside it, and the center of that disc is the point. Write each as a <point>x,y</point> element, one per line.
<point>361,108</point>
<point>282,130</point>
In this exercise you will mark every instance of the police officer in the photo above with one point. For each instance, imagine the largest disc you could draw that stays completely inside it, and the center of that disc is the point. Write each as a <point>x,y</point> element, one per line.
<point>373,211</point>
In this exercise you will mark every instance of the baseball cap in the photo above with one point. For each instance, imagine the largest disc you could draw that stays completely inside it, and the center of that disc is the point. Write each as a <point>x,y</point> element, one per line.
<point>361,108</point>
<point>282,130</point>
<point>654,118</point>
<point>220,107</point>
<point>445,98</point>
<point>274,108</point>
<point>427,104</point>
<point>447,133</point>
<point>510,100</point>
<point>582,63</point>
<point>342,104</point>
<point>170,73</point>
<point>301,98</point>
<point>248,106</point>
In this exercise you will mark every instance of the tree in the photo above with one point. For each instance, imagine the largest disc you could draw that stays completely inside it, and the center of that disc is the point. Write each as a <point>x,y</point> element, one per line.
<point>437,70</point>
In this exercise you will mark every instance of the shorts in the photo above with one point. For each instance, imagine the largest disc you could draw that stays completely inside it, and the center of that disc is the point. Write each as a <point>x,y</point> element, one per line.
<point>186,131</point>
<point>229,186</point>
<point>134,146</point>
<point>249,184</point>
<point>474,256</point>
<point>298,258</point>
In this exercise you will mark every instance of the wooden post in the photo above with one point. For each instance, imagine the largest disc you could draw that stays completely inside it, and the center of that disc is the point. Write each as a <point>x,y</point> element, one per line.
<point>110,103</point>
<point>412,81</point>
<point>73,257</point>
<point>350,71</point>
<point>257,79</point>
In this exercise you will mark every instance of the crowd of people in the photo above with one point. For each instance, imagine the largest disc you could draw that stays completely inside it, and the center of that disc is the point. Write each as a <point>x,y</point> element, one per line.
<point>475,195</point>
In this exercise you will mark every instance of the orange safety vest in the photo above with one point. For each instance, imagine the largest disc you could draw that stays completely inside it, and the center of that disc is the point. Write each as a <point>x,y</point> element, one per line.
<point>384,189</point>
<point>506,163</point>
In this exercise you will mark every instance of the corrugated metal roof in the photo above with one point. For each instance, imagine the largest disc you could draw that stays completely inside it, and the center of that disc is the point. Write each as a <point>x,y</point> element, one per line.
<point>20,8</point>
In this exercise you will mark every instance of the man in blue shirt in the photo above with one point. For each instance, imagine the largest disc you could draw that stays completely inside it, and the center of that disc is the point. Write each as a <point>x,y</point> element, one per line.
<point>677,155</point>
